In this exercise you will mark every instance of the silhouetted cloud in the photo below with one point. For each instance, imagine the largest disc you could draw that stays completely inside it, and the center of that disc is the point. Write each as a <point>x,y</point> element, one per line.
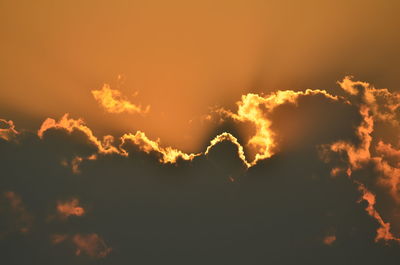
<point>323,188</point>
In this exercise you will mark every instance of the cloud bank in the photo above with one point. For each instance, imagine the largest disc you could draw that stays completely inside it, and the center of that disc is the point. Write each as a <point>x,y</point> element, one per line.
<point>313,178</point>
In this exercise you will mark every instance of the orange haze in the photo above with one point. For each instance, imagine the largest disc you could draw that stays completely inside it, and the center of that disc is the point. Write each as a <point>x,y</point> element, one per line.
<point>182,57</point>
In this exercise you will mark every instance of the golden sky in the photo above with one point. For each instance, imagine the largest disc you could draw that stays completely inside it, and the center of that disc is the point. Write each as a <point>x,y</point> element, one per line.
<point>182,58</point>
<point>179,132</point>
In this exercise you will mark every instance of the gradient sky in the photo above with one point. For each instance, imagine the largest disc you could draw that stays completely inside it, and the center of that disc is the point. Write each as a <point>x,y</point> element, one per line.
<point>199,132</point>
<point>184,57</point>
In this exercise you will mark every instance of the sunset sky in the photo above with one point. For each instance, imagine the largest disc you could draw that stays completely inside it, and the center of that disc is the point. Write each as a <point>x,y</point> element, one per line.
<point>199,132</point>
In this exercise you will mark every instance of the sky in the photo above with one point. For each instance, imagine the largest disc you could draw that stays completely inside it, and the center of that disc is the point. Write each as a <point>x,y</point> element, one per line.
<point>183,58</point>
<point>199,132</point>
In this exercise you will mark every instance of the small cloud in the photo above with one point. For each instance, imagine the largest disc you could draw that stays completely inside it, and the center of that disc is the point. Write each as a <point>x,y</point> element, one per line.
<point>70,208</point>
<point>7,129</point>
<point>329,240</point>
<point>113,101</point>
<point>92,245</point>
<point>22,220</point>
<point>58,238</point>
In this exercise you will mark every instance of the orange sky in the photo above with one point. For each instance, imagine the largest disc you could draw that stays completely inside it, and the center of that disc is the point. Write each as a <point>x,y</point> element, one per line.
<point>183,57</point>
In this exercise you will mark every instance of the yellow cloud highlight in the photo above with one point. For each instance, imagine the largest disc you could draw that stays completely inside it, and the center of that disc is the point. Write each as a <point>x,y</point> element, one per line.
<point>382,103</point>
<point>68,124</point>
<point>104,147</point>
<point>350,86</point>
<point>228,137</point>
<point>169,154</point>
<point>113,101</point>
<point>254,108</point>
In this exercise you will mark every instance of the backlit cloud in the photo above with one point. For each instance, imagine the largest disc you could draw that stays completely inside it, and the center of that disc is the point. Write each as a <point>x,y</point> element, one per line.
<point>255,109</point>
<point>113,101</point>
<point>150,197</point>
<point>168,154</point>
<point>70,125</point>
<point>376,106</point>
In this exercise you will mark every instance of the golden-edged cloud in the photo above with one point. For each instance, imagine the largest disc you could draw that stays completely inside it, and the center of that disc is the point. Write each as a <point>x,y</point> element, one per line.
<point>228,137</point>
<point>375,105</point>
<point>114,102</point>
<point>70,125</point>
<point>252,108</point>
<point>255,108</point>
<point>168,154</point>
<point>349,156</point>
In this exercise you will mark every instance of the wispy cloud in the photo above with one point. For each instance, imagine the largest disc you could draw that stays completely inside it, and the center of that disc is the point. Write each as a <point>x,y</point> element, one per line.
<point>114,102</point>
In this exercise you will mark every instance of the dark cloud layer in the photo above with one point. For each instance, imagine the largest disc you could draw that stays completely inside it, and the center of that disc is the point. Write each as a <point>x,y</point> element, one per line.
<point>125,209</point>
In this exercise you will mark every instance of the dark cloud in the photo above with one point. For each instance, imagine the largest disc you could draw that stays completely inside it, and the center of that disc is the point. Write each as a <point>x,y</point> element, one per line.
<point>210,209</point>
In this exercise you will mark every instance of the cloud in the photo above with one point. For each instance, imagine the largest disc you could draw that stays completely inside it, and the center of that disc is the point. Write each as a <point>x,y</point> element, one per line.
<point>70,208</point>
<point>58,238</point>
<point>19,219</point>
<point>228,137</point>
<point>8,131</point>
<point>383,232</point>
<point>358,155</point>
<point>139,139</point>
<point>113,102</point>
<point>252,108</point>
<point>377,108</point>
<point>91,245</point>
<point>255,108</point>
<point>142,198</point>
<point>329,240</point>
<point>168,154</point>
<point>70,125</point>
